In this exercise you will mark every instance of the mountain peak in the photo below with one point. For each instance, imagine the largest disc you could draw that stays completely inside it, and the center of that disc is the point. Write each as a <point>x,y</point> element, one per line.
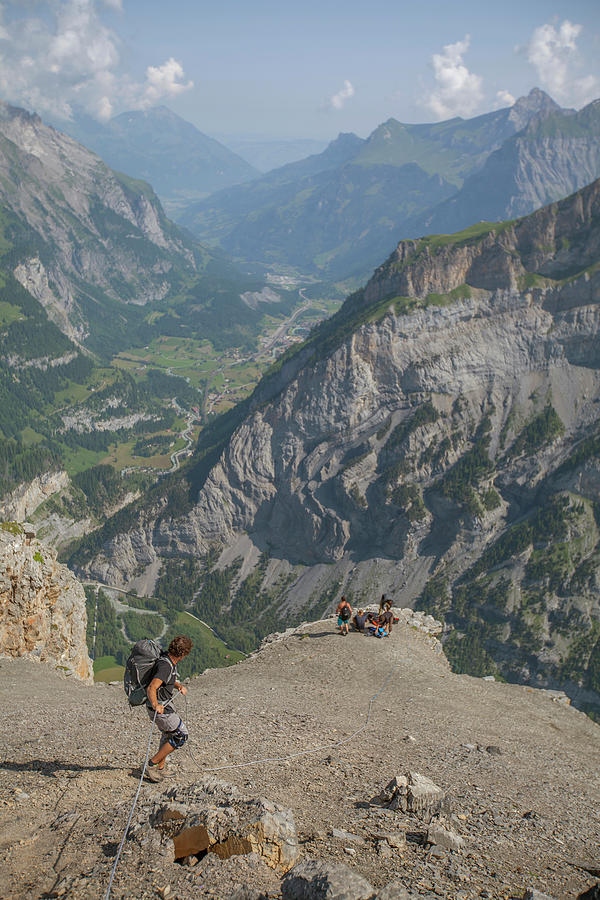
<point>346,139</point>
<point>537,102</point>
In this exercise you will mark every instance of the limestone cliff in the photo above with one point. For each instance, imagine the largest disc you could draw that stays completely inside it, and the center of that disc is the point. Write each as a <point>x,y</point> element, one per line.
<point>23,501</point>
<point>42,606</point>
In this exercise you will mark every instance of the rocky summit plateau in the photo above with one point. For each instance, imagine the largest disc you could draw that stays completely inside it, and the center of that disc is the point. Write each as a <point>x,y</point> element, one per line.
<point>320,767</point>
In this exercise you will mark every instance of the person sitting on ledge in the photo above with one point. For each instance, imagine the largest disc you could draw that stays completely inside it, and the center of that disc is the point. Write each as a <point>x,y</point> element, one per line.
<point>360,620</point>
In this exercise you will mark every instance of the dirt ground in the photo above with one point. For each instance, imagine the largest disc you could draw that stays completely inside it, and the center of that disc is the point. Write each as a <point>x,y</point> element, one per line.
<point>528,808</point>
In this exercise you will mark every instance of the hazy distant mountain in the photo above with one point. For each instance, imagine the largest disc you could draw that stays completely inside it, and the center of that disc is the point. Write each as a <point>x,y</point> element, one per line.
<point>337,212</point>
<point>178,160</point>
<point>555,154</point>
<point>265,155</point>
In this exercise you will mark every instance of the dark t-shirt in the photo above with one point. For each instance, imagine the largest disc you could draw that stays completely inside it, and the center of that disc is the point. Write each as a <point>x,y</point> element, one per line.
<point>387,617</point>
<point>360,620</point>
<point>167,672</point>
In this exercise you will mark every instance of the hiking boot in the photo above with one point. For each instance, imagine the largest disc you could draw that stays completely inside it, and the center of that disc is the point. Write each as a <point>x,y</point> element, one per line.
<point>154,774</point>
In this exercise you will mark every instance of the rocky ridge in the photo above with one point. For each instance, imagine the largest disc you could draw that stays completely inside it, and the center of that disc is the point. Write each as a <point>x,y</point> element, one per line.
<point>418,782</point>
<point>42,606</point>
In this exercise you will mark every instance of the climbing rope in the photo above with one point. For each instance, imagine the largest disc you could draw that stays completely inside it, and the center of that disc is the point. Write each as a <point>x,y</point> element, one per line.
<point>133,806</point>
<point>252,762</point>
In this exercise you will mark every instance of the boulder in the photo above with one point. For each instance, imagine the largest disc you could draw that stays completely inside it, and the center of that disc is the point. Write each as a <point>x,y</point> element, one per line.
<point>592,893</point>
<point>412,793</point>
<point>212,816</point>
<point>313,879</point>
<point>248,893</point>
<point>439,835</point>
<point>347,836</point>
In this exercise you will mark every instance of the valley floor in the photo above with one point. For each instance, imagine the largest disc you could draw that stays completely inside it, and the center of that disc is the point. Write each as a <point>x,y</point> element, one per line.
<point>527,808</point>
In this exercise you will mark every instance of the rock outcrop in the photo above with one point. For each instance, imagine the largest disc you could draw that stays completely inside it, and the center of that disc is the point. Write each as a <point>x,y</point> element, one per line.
<point>42,605</point>
<point>213,816</point>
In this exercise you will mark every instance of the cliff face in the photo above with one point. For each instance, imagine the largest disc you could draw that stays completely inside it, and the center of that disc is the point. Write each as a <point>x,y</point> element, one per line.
<point>508,307</point>
<point>21,503</point>
<point>42,606</point>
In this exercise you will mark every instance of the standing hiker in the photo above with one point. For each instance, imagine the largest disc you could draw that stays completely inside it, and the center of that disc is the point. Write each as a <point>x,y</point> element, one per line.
<point>387,617</point>
<point>159,694</point>
<point>344,614</point>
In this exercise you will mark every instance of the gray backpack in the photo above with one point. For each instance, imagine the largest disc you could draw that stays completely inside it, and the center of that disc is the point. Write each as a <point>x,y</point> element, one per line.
<point>139,670</point>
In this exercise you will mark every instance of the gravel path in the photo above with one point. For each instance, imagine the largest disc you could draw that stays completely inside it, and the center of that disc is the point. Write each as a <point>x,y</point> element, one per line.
<point>528,808</point>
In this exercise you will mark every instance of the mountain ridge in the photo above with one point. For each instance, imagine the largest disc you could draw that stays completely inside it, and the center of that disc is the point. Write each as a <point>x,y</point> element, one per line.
<point>374,194</point>
<point>553,155</point>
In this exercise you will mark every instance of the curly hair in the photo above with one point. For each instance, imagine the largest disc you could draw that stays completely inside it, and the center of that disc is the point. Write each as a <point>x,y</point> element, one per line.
<point>180,645</point>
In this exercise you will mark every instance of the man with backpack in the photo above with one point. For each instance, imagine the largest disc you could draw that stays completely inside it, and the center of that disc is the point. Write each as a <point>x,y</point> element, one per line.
<point>344,614</point>
<point>159,703</point>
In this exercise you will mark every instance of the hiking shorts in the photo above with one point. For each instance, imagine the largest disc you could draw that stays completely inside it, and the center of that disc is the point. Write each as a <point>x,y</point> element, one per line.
<point>173,730</point>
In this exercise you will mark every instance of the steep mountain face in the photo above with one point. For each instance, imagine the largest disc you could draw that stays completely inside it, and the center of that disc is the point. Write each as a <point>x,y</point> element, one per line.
<point>178,160</point>
<point>438,437</point>
<point>80,232</point>
<point>42,606</point>
<point>95,248</point>
<point>336,212</point>
<point>556,153</point>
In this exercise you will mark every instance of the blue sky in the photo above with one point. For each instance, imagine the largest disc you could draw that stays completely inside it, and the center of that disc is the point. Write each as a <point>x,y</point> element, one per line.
<point>296,70</point>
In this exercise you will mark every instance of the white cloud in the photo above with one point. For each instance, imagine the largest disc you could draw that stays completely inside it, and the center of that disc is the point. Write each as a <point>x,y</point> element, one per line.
<point>554,54</point>
<point>346,93</point>
<point>58,53</point>
<point>163,81</point>
<point>458,91</point>
<point>504,99</point>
